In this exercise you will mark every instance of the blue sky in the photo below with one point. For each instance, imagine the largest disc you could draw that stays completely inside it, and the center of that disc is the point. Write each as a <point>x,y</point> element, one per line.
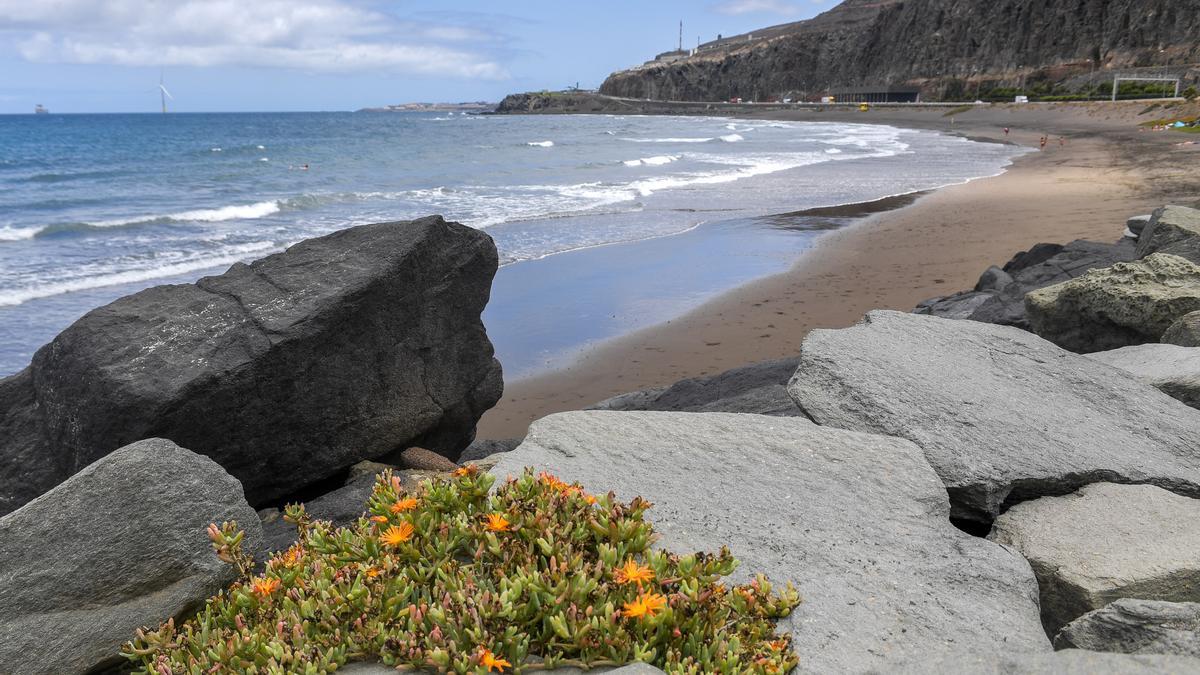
<point>233,55</point>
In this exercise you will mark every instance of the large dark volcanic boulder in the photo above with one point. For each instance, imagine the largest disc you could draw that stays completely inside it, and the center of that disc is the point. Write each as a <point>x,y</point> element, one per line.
<point>118,546</point>
<point>1001,414</point>
<point>284,371</point>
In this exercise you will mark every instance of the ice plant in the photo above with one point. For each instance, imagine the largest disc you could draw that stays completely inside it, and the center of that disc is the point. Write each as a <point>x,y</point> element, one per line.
<point>453,585</point>
<point>496,522</point>
<point>397,534</point>
<point>633,573</point>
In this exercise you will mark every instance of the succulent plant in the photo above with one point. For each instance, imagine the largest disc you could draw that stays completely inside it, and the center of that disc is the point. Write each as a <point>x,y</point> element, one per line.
<point>453,578</point>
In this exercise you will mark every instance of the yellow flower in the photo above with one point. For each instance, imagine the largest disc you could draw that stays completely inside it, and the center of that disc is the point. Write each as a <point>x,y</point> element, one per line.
<point>646,604</point>
<point>397,534</point>
<point>590,499</point>
<point>633,573</point>
<point>489,660</point>
<point>402,505</point>
<point>264,586</point>
<point>372,572</point>
<point>496,522</point>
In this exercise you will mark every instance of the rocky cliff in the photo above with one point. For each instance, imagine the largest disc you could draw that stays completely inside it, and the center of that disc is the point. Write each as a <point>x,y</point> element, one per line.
<point>945,47</point>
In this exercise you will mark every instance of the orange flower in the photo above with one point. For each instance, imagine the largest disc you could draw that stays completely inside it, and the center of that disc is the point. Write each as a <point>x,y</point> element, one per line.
<point>264,586</point>
<point>496,522</point>
<point>290,557</point>
<point>553,481</point>
<point>379,519</point>
<point>402,505</point>
<point>633,573</point>
<point>463,471</point>
<point>646,604</point>
<point>489,660</point>
<point>397,534</point>
<point>590,499</point>
<point>372,572</point>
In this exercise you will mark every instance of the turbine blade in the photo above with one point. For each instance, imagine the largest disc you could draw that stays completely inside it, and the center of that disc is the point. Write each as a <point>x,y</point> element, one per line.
<point>164,90</point>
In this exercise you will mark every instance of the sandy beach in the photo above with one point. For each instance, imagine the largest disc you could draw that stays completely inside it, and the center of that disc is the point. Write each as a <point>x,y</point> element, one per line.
<point>1103,169</point>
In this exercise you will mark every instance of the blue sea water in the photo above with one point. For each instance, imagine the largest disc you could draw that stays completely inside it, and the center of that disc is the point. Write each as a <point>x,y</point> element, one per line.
<point>93,207</point>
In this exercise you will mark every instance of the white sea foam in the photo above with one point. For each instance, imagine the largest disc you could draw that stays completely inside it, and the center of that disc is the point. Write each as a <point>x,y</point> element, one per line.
<point>214,150</point>
<point>668,140</point>
<point>234,212</point>
<point>541,144</point>
<point>8,233</point>
<point>733,138</point>
<point>220,258</point>
<point>657,160</point>
<point>264,159</point>
<point>833,151</point>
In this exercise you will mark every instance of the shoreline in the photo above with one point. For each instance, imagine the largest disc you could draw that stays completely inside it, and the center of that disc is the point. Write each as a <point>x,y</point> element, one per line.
<point>935,246</point>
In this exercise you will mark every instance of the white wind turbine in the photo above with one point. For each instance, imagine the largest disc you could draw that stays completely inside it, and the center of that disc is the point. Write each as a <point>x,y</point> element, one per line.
<point>163,93</point>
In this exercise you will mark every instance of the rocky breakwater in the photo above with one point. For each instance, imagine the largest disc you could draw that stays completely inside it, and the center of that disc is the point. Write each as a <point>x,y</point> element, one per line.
<point>285,371</point>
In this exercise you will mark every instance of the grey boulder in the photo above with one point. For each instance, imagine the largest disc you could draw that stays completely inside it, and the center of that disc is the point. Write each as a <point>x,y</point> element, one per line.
<point>1185,331</point>
<point>1103,543</point>
<point>285,371</point>
<point>1067,662</point>
<point>1135,225</point>
<point>759,388</point>
<point>858,522</point>
<point>1171,369</point>
<point>1132,626</point>
<point>1000,413</point>
<point>119,545</point>
<point>1126,304</point>
<point>1174,230</point>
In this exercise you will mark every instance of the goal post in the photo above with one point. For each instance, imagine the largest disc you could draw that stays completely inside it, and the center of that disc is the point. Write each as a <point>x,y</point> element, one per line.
<point>1118,79</point>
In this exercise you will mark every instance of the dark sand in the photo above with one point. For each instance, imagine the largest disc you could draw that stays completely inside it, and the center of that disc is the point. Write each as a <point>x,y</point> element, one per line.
<point>1105,171</point>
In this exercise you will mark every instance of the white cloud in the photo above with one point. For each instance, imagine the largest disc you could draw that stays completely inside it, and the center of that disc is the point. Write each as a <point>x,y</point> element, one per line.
<point>758,7</point>
<point>318,35</point>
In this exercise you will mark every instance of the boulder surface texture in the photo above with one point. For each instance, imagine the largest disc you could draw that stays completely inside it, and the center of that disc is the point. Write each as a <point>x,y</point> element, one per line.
<point>1126,304</point>
<point>1171,369</point>
<point>1133,626</point>
<point>858,522</point>
<point>119,545</point>
<point>1106,542</point>
<point>1185,332</point>
<point>1000,413</point>
<point>1174,230</point>
<point>285,371</point>
<point>760,388</point>
<point>1067,662</point>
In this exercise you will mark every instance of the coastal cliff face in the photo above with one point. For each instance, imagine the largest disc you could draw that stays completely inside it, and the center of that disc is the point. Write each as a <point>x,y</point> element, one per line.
<point>937,45</point>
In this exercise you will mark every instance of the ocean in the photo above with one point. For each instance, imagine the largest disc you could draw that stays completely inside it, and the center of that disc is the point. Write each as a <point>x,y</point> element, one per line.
<point>93,207</point>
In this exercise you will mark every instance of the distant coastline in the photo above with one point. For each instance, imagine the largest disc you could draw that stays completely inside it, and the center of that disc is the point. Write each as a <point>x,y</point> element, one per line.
<point>472,106</point>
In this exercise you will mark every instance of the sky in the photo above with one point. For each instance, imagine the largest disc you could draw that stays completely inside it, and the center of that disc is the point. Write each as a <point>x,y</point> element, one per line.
<point>260,55</point>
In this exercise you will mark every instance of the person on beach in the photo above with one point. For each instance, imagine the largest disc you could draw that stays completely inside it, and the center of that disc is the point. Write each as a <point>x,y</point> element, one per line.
<point>1043,143</point>
<point>1006,132</point>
